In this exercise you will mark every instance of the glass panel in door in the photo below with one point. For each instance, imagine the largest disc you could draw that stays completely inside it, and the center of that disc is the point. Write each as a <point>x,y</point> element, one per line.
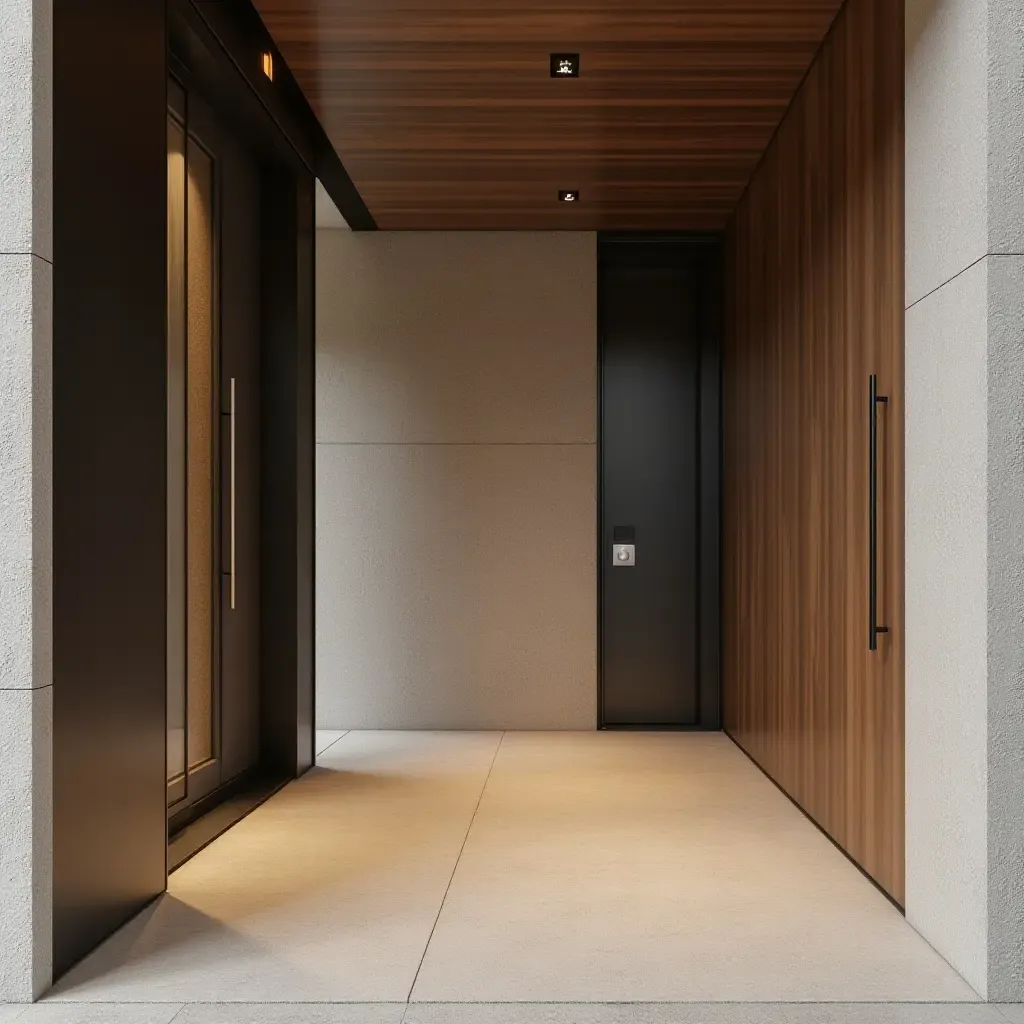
<point>192,488</point>
<point>176,329</point>
<point>201,585</point>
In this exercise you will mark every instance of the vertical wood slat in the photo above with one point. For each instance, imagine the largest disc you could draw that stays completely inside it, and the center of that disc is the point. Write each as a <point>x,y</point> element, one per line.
<point>816,305</point>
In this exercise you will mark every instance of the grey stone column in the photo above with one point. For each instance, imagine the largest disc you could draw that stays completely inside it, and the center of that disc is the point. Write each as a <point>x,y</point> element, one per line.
<point>965,486</point>
<point>26,274</point>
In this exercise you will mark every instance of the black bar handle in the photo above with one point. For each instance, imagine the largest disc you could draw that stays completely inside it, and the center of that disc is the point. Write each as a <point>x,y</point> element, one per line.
<point>874,629</point>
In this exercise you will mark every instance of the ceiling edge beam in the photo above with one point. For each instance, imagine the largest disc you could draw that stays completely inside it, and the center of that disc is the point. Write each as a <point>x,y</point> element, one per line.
<point>243,37</point>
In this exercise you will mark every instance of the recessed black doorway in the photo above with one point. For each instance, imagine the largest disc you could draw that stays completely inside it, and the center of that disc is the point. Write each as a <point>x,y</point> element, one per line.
<point>659,481</point>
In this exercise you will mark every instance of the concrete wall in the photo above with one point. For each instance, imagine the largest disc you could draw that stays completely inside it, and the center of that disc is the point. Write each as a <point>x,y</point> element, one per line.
<point>26,273</point>
<point>965,485</point>
<point>456,480</point>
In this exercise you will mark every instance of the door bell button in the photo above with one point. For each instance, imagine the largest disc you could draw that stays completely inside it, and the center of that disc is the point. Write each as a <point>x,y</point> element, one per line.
<point>624,555</point>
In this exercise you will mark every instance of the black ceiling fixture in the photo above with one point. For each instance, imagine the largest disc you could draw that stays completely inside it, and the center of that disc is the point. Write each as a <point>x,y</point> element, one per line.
<point>565,65</point>
<point>571,195</point>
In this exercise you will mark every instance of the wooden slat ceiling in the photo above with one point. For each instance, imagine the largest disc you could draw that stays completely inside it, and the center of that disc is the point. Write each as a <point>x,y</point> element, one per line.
<point>445,115</point>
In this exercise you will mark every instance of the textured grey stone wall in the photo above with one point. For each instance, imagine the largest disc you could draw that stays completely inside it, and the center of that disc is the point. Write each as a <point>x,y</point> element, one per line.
<point>965,486</point>
<point>26,274</point>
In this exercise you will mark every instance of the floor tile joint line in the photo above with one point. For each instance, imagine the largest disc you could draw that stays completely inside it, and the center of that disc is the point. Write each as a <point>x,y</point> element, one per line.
<point>331,744</point>
<point>465,839</point>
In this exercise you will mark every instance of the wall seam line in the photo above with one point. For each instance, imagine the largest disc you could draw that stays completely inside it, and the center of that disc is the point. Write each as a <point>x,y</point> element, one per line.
<point>960,273</point>
<point>34,255</point>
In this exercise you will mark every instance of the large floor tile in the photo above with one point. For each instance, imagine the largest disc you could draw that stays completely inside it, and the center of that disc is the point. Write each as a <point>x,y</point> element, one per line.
<point>99,1013</point>
<point>626,872</point>
<point>326,893</point>
<point>1012,1012</point>
<point>661,867</point>
<point>291,1013</point>
<point>594,1013</point>
<point>9,1011</point>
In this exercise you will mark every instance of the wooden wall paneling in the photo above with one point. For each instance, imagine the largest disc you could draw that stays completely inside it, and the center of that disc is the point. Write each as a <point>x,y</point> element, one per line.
<point>816,305</point>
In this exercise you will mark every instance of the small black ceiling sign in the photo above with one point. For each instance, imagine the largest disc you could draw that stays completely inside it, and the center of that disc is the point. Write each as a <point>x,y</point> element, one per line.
<point>571,195</point>
<point>565,65</point>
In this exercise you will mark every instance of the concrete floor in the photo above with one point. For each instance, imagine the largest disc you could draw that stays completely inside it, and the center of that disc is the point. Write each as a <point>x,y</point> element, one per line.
<point>482,878</point>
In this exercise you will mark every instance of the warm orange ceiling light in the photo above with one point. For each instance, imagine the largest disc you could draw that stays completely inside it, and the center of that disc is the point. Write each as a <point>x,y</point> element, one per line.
<point>268,65</point>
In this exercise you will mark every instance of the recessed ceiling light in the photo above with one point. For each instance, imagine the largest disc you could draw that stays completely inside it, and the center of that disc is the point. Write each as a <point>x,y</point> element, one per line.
<point>571,195</point>
<point>565,65</point>
<point>267,62</point>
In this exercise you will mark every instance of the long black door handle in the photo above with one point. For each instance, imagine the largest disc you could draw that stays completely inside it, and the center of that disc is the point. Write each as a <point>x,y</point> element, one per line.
<point>874,628</point>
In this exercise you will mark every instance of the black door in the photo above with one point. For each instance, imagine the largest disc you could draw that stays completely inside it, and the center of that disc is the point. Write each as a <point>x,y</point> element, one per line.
<point>658,554</point>
<point>213,670</point>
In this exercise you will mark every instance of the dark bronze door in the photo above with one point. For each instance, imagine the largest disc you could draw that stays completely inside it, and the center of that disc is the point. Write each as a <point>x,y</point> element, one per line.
<point>213,457</point>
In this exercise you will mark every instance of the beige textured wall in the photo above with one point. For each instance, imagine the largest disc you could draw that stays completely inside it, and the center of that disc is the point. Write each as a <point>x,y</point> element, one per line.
<point>456,480</point>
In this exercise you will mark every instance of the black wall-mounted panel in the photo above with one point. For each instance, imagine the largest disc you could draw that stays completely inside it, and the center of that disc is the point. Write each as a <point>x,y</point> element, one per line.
<point>109,475</point>
<point>287,478</point>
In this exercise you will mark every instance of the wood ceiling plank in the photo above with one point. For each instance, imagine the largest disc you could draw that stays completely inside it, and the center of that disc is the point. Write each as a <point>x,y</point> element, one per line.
<point>445,116</point>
